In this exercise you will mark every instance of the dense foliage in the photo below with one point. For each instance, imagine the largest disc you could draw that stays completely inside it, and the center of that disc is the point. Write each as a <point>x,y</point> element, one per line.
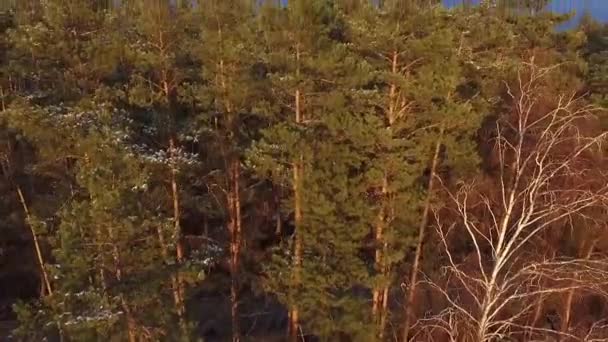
<point>315,170</point>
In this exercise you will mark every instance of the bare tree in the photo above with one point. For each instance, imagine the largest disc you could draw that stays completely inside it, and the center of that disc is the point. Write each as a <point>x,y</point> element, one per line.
<point>543,179</point>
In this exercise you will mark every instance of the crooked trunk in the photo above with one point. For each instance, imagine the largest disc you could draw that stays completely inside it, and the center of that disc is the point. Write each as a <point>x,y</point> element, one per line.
<point>411,292</point>
<point>38,250</point>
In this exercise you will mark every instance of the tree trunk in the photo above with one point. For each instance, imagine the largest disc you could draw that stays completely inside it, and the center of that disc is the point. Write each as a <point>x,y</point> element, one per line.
<point>384,310</point>
<point>277,211</point>
<point>44,275</point>
<point>38,250</point>
<point>411,292</point>
<point>294,327</point>
<point>567,313</point>
<point>294,315</point>
<point>380,292</point>
<point>538,310</point>
<point>176,205</point>
<point>2,103</point>
<point>234,208</point>
<point>131,325</point>
<point>234,205</point>
<point>164,249</point>
<point>177,283</point>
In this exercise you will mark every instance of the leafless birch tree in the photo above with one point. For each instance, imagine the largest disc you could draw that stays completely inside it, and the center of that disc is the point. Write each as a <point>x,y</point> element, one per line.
<point>543,180</point>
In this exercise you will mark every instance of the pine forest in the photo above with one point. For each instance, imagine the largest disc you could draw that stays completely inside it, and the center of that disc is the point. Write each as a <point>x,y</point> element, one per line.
<point>302,170</point>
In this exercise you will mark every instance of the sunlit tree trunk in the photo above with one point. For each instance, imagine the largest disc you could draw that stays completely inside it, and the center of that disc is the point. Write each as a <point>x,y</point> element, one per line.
<point>567,309</point>
<point>130,320</point>
<point>234,207</point>
<point>177,283</point>
<point>411,291</point>
<point>233,195</point>
<point>37,249</point>
<point>298,172</point>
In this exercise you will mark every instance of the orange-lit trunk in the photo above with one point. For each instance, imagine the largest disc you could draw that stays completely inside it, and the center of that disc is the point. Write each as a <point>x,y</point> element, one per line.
<point>38,250</point>
<point>297,165</point>
<point>234,205</point>
<point>131,324</point>
<point>130,320</point>
<point>567,311</point>
<point>381,291</point>
<point>2,103</point>
<point>297,179</point>
<point>177,283</point>
<point>411,292</point>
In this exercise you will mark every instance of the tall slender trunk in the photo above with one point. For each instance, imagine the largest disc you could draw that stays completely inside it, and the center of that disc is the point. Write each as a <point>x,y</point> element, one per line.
<point>131,325</point>
<point>297,165</point>
<point>234,204</point>
<point>177,284</point>
<point>411,292</point>
<point>130,320</point>
<point>101,265</point>
<point>297,261</point>
<point>179,250</point>
<point>175,288</point>
<point>567,313</point>
<point>44,275</point>
<point>277,211</point>
<point>538,307</point>
<point>537,313</point>
<point>380,291</point>
<point>384,309</point>
<point>38,250</point>
<point>2,102</point>
<point>177,231</point>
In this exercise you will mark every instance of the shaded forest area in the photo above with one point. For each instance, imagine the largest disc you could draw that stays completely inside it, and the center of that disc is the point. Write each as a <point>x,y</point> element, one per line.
<point>320,170</point>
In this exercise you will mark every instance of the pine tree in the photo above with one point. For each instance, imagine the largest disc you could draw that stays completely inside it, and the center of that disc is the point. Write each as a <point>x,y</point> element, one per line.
<point>230,53</point>
<point>19,264</point>
<point>596,55</point>
<point>385,46</point>
<point>288,40</point>
<point>98,194</point>
<point>310,148</point>
<point>37,67</point>
<point>317,141</point>
<point>431,104</point>
<point>159,37</point>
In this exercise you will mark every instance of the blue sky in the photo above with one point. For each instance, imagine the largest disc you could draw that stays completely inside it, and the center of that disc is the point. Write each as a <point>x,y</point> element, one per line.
<point>597,8</point>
